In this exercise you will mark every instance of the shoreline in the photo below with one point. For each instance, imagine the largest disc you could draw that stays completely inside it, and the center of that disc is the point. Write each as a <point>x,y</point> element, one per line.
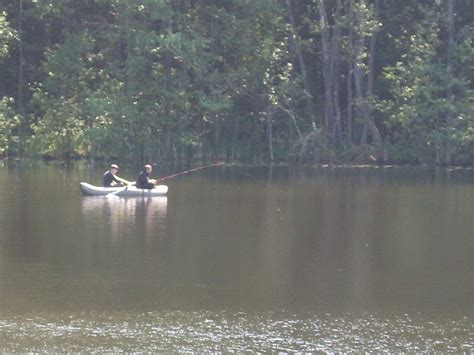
<point>197,162</point>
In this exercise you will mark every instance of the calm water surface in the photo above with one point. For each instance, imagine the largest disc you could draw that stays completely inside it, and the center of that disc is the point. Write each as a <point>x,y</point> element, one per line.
<point>235,259</point>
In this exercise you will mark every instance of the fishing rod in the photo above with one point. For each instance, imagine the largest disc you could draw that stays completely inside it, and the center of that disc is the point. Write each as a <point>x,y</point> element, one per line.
<point>115,193</point>
<point>191,170</point>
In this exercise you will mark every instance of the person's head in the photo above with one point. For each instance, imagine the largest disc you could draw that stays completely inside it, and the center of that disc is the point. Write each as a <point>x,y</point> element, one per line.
<point>114,168</point>
<point>148,168</point>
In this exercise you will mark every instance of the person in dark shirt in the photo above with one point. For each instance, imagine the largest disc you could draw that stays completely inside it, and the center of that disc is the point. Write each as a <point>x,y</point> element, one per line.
<point>143,182</point>
<point>111,179</point>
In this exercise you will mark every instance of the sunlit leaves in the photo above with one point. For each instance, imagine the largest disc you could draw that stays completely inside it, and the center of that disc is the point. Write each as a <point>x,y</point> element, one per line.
<point>8,123</point>
<point>428,120</point>
<point>7,34</point>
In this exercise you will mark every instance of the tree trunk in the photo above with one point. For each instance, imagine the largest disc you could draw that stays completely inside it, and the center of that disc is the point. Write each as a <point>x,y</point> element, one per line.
<point>364,102</point>
<point>449,64</point>
<point>327,70</point>
<point>349,103</point>
<point>370,78</point>
<point>167,110</point>
<point>270,132</point>
<point>362,107</point>
<point>234,138</point>
<point>295,46</point>
<point>21,68</point>
<point>217,137</point>
<point>337,128</point>
<point>373,38</point>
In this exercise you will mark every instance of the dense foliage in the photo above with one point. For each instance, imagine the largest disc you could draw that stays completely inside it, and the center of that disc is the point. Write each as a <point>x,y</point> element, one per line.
<point>314,80</point>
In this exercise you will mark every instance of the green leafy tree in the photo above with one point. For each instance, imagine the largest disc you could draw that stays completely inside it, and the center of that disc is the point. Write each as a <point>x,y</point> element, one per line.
<point>7,34</point>
<point>425,117</point>
<point>8,119</point>
<point>251,80</point>
<point>8,124</point>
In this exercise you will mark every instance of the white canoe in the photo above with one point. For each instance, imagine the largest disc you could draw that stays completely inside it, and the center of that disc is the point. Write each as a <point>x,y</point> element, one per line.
<point>91,190</point>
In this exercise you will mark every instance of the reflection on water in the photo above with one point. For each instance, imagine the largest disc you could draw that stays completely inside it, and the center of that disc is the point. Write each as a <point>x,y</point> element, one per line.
<point>118,212</point>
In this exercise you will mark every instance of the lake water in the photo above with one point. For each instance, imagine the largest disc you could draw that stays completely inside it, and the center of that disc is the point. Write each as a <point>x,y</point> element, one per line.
<point>238,259</point>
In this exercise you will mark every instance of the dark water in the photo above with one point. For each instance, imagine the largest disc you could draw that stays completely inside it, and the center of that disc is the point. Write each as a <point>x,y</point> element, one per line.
<point>235,259</point>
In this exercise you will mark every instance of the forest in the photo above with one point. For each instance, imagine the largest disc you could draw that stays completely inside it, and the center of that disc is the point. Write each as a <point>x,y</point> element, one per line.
<point>256,81</point>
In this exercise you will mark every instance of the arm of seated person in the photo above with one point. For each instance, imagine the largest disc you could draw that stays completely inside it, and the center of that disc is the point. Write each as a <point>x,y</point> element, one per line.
<point>123,181</point>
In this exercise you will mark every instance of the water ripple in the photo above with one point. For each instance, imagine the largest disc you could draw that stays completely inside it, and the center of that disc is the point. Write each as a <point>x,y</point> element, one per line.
<point>233,332</point>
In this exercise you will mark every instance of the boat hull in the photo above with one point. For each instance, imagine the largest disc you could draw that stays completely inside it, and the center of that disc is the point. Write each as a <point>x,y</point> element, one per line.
<point>131,191</point>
